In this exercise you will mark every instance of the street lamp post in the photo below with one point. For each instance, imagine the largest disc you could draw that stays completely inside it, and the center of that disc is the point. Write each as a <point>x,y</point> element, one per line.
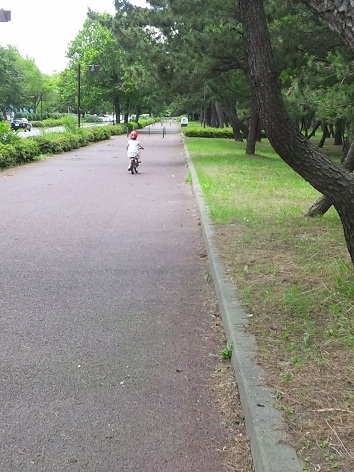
<point>78,95</point>
<point>41,106</point>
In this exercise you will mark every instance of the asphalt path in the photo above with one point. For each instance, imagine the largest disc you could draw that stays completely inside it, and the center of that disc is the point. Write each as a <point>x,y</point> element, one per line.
<point>105,326</point>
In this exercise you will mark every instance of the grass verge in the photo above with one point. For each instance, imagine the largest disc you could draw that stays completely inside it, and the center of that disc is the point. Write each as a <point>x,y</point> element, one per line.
<point>294,276</point>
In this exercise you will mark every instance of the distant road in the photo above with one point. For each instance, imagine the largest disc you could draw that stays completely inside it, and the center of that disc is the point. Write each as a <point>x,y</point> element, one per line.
<point>55,129</point>
<point>38,131</point>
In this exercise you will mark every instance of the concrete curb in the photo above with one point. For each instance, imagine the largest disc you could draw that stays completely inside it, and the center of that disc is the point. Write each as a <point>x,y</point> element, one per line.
<point>264,424</point>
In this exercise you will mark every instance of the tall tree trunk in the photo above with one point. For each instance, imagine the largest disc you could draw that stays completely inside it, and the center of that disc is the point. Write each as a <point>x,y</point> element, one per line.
<point>126,111</point>
<point>323,204</point>
<point>202,118</point>
<point>325,134</point>
<point>254,129</point>
<point>330,131</point>
<point>214,117</point>
<point>297,151</point>
<point>116,104</point>
<point>338,133</point>
<point>304,128</point>
<point>208,115</point>
<point>220,113</point>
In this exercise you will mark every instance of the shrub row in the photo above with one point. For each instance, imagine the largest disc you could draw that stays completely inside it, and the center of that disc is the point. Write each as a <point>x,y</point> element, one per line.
<point>15,151</point>
<point>200,132</point>
<point>51,123</point>
<point>61,121</point>
<point>29,149</point>
<point>48,123</point>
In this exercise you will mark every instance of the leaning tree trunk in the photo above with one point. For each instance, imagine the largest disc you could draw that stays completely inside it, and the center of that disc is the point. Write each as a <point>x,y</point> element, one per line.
<point>238,127</point>
<point>339,16</point>
<point>305,159</point>
<point>323,204</point>
<point>315,127</point>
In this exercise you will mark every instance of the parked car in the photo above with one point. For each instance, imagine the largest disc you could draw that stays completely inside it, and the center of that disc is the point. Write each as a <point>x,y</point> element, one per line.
<point>21,123</point>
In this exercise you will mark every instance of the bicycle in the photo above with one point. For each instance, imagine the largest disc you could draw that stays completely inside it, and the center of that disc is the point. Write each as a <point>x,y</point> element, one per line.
<point>134,164</point>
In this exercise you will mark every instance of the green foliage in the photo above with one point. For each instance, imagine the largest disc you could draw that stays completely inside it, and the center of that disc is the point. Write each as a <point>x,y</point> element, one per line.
<point>49,123</point>
<point>183,58</point>
<point>70,124</point>
<point>45,143</point>
<point>34,117</point>
<point>118,129</point>
<point>57,143</point>
<point>24,150</point>
<point>226,352</point>
<point>23,86</point>
<point>142,122</point>
<point>104,88</point>
<point>267,199</point>
<point>196,49</point>
<point>17,151</point>
<point>207,132</point>
<point>12,79</point>
<point>7,135</point>
<point>7,155</point>
<point>324,87</point>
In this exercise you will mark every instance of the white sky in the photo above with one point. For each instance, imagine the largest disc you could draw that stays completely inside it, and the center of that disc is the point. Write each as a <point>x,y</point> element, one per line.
<point>42,29</point>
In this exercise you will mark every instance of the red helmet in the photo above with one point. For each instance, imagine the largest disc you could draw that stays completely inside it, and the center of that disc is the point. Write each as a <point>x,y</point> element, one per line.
<point>133,135</point>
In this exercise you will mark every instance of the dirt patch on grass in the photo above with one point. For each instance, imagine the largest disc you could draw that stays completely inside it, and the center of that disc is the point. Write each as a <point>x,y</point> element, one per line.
<point>297,314</point>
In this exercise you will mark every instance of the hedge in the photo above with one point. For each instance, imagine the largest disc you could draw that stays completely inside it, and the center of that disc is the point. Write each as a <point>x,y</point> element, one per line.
<point>7,155</point>
<point>31,148</point>
<point>200,132</point>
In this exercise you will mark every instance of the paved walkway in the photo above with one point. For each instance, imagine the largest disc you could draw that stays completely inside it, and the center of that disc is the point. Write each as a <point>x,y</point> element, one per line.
<point>104,327</point>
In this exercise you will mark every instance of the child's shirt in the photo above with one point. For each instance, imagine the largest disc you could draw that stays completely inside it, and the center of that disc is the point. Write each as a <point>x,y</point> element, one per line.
<point>133,147</point>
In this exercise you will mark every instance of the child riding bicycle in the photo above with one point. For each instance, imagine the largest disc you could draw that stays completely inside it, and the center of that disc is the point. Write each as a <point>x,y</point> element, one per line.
<point>133,147</point>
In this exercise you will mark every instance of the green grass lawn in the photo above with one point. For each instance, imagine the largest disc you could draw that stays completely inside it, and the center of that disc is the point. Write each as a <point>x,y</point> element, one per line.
<point>294,276</point>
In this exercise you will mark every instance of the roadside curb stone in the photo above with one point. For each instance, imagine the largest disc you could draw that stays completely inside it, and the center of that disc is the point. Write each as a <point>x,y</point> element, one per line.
<point>264,423</point>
